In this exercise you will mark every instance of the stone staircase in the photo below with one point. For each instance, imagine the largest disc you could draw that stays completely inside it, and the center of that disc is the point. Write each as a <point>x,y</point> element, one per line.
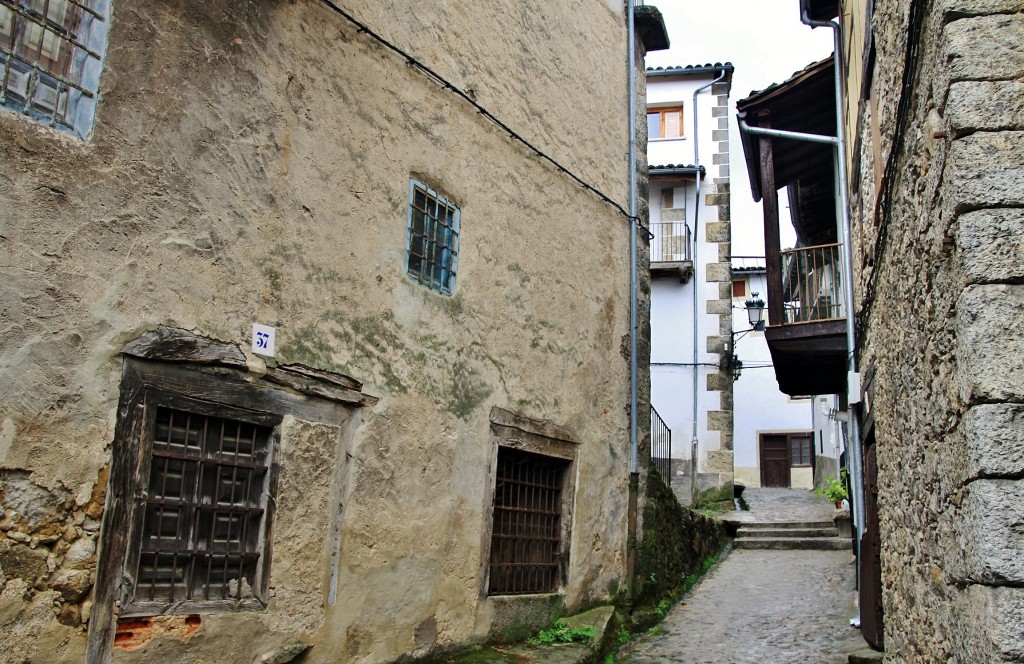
<point>814,535</point>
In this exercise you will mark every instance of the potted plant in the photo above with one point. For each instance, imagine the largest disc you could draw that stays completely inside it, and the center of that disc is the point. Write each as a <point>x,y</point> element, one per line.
<point>835,490</point>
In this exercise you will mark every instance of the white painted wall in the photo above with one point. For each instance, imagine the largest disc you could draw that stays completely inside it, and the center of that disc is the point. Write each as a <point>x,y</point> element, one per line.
<point>672,369</point>
<point>828,434</point>
<point>758,405</point>
<point>672,91</point>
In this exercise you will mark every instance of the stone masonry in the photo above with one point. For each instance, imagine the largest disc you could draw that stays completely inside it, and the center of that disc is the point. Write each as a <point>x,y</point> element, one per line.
<point>720,231</point>
<point>940,264</point>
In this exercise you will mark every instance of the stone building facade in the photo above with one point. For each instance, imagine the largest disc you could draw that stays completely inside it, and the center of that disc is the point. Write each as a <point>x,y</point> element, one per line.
<point>174,482</point>
<point>934,117</point>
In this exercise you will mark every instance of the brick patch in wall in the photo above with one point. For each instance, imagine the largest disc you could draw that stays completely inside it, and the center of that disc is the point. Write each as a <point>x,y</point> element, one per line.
<point>989,343</point>
<point>985,106</point>
<point>995,175</point>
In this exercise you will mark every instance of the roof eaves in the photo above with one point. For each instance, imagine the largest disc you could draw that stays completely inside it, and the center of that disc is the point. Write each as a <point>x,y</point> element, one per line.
<point>675,169</point>
<point>691,70</point>
<point>756,96</point>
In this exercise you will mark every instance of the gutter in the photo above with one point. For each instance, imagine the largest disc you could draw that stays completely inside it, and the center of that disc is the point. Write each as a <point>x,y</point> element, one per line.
<point>681,170</point>
<point>690,71</point>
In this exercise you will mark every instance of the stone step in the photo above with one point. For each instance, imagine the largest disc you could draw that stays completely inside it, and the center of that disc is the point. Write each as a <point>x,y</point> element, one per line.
<point>787,532</point>
<point>779,525</point>
<point>795,543</point>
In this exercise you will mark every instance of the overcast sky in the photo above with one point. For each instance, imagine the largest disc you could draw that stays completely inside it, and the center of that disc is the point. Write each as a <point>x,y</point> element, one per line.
<point>766,42</point>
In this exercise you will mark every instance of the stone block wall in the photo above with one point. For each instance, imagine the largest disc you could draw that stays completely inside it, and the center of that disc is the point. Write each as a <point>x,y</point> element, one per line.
<point>939,252</point>
<point>718,233</point>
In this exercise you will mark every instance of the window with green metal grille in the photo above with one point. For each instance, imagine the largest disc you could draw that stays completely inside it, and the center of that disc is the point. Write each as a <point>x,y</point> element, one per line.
<point>51,55</point>
<point>432,245</point>
<point>203,523</point>
<point>527,537</point>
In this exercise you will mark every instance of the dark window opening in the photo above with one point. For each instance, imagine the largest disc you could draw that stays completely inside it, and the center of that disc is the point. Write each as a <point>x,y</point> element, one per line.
<point>527,537</point>
<point>204,513</point>
<point>433,239</point>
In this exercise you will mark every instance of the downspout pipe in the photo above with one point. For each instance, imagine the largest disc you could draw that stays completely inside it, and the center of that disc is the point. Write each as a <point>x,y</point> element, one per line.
<point>854,456</point>
<point>845,229</point>
<point>696,286</point>
<point>633,230</point>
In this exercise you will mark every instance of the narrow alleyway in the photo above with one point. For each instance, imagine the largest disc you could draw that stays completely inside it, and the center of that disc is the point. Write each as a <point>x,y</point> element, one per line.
<point>759,606</point>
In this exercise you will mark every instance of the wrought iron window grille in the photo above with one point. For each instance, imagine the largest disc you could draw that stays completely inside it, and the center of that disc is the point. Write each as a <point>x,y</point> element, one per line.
<point>432,244</point>
<point>203,523</point>
<point>526,538</point>
<point>51,55</point>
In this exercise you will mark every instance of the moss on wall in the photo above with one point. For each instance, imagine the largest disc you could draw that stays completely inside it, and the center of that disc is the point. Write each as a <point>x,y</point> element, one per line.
<point>676,543</point>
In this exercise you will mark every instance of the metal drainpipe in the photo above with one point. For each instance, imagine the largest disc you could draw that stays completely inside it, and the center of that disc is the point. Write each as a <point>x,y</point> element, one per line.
<point>852,424</point>
<point>848,297</point>
<point>696,281</point>
<point>633,230</point>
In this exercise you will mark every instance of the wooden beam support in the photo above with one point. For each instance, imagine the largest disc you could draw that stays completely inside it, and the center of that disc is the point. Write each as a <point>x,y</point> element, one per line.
<point>772,247</point>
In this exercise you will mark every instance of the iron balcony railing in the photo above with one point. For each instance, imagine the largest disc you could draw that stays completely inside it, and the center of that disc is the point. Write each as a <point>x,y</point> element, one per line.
<point>811,286</point>
<point>671,242</point>
<point>661,447</point>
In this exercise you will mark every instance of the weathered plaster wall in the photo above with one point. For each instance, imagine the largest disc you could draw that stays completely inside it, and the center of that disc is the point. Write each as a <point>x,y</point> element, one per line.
<point>941,283</point>
<point>250,163</point>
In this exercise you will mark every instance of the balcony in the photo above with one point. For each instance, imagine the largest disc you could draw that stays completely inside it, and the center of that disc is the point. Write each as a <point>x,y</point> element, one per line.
<point>671,249</point>
<point>806,331</point>
<point>807,338</point>
<point>811,284</point>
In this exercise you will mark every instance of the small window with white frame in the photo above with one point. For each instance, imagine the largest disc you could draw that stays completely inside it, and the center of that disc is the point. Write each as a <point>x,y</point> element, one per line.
<point>432,244</point>
<point>51,54</point>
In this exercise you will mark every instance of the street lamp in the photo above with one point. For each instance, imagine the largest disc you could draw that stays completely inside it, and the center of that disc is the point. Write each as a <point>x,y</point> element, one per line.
<point>755,312</point>
<point>755,316</point>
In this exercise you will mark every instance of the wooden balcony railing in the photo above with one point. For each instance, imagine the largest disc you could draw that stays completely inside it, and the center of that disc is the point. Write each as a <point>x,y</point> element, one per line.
<point>811,284</point>
<point>671,242</point>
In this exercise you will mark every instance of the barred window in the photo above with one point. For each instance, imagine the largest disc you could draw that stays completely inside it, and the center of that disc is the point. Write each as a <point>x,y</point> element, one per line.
<point>204,511</point>
<point>197,456</point>
<point>527,534</point>
<point>51,54</point>
<point>432,248</point>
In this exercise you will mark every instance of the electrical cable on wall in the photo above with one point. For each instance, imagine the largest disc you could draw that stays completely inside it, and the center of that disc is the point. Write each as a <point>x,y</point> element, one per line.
<point>445,83</point>
<point>883,205</point>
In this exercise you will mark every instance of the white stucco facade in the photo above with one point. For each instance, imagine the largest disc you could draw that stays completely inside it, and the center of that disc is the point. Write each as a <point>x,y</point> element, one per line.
<point>760,408</point>
<point>680,267</point>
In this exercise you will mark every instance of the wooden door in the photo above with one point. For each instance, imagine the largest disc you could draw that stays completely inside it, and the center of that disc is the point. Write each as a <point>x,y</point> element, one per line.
<point>871,553</point>
<point>774,460</point>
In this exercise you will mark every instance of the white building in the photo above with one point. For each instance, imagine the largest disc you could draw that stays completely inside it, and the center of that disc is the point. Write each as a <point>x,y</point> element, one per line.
<point>778,440</point>
<point>747,430</point>
<point>688,130</point>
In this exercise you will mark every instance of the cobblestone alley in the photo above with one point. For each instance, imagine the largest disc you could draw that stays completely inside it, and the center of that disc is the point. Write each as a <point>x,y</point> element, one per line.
<point>764,606</point>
